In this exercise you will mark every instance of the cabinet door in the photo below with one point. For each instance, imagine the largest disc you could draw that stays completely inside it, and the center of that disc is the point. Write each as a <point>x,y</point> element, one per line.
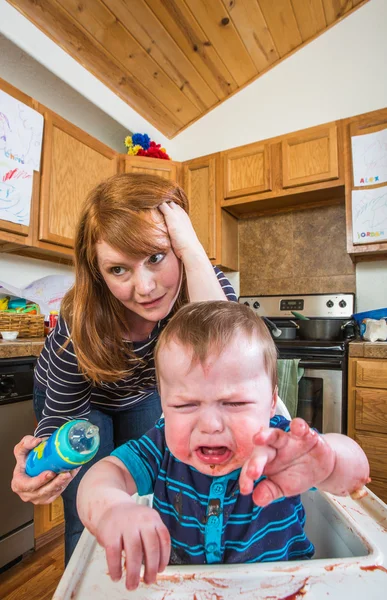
<point>48,516</point>
<point>199,182</point>
<point>310,156</point>
<point>153,166</point>
<point>371,373</point>
<point>247,170</point>
<point>73,163</point>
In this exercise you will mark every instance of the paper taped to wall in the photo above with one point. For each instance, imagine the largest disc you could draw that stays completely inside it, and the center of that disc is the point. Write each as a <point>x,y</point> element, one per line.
<point>369,158</point>
<point>15,191</point>
<point>21,132</point>
<point>369,215</point>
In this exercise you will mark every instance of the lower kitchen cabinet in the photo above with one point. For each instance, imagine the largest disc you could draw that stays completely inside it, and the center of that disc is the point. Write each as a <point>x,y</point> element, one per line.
<point>49,522</point>
<point>367,416</point>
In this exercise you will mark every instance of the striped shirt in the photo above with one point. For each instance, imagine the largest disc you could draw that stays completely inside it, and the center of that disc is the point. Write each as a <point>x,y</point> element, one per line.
<point>209,521</point>
<point>70,395</point>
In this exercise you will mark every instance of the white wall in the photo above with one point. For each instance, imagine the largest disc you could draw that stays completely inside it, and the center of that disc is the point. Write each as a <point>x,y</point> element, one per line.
<point>20,271</point>
<point>371,285</point>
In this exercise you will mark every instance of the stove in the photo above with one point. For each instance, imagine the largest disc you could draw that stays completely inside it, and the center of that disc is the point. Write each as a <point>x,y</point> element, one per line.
<point>322,364</point>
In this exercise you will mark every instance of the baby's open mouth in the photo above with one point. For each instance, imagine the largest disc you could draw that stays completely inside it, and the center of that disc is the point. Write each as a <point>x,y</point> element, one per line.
<point>213,454</point>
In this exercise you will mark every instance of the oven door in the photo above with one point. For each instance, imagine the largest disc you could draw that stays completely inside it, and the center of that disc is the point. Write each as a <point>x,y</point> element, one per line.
<point>321,394</point>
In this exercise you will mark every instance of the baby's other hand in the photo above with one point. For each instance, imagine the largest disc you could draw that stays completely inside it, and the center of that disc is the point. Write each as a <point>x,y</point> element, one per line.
<point>292,462</point>
<point>140,533</point>
<point>180,229</point>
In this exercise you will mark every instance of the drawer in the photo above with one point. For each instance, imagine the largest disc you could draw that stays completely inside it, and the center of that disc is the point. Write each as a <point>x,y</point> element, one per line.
<point>371,373</point>
<point>371,410</point>
<point>375,447</point>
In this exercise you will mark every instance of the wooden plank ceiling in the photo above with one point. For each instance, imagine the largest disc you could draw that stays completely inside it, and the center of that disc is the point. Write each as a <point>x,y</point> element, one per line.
<point>174,60</point>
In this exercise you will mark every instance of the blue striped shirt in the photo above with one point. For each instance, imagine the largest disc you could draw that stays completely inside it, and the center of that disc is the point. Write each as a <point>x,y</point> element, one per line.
<point>70,395</point>
<point>209,521</point>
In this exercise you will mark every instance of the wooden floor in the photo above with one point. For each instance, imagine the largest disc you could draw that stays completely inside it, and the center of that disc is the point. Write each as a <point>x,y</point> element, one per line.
<point>36,576</point>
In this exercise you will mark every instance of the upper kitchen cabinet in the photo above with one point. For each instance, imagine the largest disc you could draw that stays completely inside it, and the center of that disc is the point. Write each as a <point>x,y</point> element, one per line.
<point>247,170</point>
<point>310,156</point>
<point>73,163</point>
<point>216,229</point>
<point>374,153</point>
<point>153,166</point>
<point>285,172</point>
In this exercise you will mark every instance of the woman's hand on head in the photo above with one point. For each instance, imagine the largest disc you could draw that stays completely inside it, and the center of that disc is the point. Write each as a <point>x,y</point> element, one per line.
<point>42,489</point>
<point>180,229</point>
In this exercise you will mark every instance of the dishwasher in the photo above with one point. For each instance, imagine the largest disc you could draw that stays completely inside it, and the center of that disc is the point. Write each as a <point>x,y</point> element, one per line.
<point>16,420</point>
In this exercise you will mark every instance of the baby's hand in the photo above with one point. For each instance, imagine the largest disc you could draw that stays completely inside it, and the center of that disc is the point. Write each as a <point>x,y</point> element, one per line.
<point>180,229</point>
<point>140,533</point>
<point>292,461</point>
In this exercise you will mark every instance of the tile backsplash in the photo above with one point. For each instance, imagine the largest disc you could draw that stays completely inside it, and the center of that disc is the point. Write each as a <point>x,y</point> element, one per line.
<point>300,252</point>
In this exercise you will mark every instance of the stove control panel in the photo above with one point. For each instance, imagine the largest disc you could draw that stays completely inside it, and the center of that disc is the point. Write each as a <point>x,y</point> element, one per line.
<point>318,306</point>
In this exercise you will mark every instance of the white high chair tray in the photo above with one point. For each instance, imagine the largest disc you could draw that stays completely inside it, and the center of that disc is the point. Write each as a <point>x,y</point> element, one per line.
<point>350,537</point>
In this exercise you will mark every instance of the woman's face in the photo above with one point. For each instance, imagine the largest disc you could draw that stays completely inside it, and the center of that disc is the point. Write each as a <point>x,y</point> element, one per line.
<point>147,286</point>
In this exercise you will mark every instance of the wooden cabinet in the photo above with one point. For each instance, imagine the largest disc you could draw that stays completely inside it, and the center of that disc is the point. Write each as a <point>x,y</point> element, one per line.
<point>216,229</point>
<point>356,126</point>
<point>247,170</point>
<point>310,156</point>
<point>48,522</point>
<point>168,169</point>
<point>305,168</point>
<point>367,416</point>
<point>73,163</point>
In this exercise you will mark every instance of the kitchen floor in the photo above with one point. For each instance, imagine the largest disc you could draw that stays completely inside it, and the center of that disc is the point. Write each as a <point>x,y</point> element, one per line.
<point>36,577</point>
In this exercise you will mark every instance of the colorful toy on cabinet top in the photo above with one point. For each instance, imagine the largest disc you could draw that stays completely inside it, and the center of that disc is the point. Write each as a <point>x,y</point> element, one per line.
<point>140,144</point>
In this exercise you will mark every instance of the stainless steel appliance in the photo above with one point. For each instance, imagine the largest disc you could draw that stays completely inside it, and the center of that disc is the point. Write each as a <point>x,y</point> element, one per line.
<point>16,420</point>
<point>322,392</point>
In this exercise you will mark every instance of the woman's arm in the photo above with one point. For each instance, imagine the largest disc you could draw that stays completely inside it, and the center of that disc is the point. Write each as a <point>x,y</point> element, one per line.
<point>202,281</point>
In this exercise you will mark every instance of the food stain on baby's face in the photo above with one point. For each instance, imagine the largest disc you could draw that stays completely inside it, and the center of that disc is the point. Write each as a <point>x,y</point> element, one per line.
<point>213,411</point>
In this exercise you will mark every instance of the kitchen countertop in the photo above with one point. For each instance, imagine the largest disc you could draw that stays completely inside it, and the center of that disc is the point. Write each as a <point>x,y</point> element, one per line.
<point>21,347</point>
<point>361,349</point>
<point>33,347</point>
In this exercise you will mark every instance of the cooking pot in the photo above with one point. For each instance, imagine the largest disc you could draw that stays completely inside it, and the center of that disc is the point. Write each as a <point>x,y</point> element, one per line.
<point>323,329</point>
<point>286,330</point>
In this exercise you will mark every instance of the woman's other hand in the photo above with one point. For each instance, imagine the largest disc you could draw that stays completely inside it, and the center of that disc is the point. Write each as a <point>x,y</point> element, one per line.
<point>42,489</point>
<point>181,232</point>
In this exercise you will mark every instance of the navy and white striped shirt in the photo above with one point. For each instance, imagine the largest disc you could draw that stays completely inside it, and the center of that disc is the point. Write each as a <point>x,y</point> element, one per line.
<point>70,395</point>
<point>209,521</point>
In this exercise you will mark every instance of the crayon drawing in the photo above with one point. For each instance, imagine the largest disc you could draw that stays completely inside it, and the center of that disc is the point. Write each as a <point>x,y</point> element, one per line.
<point>21,132</point>
<point>15,191</point>
<point>369,215</point>
<point>369,158</point>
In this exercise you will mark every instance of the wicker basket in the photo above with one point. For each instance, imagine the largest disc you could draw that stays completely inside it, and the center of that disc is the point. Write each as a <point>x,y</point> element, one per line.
<point>28,326</point>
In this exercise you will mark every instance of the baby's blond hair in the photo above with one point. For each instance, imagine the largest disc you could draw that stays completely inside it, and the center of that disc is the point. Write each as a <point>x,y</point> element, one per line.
<point>208,327</point>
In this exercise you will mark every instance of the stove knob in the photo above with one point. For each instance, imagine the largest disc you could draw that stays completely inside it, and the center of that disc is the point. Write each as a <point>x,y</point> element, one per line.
<point>342,304</point>
<point>329,304</point>
<point>246,304</point>
<point>256,305</point>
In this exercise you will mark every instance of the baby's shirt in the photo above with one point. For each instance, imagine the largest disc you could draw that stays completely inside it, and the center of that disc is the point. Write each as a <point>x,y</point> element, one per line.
<point>209,521</point>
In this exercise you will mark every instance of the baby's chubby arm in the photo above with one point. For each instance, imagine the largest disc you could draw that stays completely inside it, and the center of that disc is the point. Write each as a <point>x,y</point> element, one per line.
<point>297,460</point>
<point>107,510</point>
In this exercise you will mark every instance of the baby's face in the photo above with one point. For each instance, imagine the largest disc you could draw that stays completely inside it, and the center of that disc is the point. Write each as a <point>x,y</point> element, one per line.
<point>213,411</point>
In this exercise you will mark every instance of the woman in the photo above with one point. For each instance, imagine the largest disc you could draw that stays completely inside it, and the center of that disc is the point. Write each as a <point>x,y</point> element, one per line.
<point>137,260</point>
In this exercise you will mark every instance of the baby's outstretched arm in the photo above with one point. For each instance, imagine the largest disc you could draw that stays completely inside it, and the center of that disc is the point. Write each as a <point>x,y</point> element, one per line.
<point>107,510</point>
<point>297,460</point>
